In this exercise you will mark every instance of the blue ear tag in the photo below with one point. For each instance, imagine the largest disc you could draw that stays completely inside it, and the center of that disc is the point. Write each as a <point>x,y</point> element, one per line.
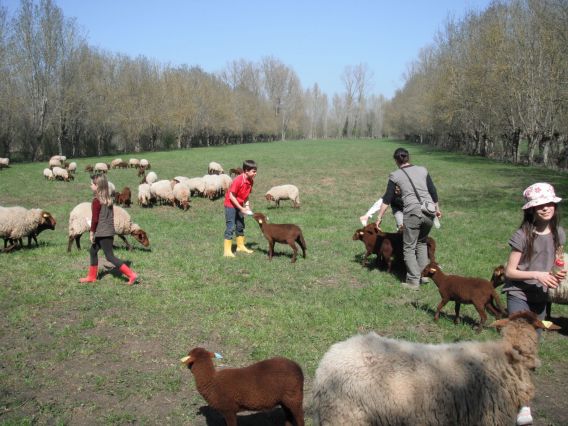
<point>218,355</point>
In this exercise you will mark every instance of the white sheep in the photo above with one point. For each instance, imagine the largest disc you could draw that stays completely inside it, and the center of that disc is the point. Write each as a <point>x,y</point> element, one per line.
<point>214,168</point>
<point>369,379</point>
<point>80,222</point>
<point>150,178</point>
<point>72,167</point>
<point>61,158</point>
<point>181,195</point>
<point>212,186</point>
<point>19,222</point>
<point>48,174</point>
<point>61,174</point>
<point>54,162</point>
<point>100,168</point>
<point>144,195</point>
<point>111,189</point>
<point>114,163</point>
<point>162,191</point>
<point>284,192</point>
<point>4,162</point>
<point>226,182</point>
<point>134,162</point>
<point>195,185</point>
<point>145,163</point>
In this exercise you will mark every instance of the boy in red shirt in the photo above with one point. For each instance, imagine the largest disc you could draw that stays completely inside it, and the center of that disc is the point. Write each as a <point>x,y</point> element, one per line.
<point>237,206</point>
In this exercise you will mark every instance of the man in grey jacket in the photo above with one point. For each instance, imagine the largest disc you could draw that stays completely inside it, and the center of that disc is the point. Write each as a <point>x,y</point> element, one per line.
<point>416,188</point>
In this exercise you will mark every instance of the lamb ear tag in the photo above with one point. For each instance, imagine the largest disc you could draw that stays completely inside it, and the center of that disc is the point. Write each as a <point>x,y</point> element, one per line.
<point>218,355</point>
<point>184,359</point>
<point>259,220</point>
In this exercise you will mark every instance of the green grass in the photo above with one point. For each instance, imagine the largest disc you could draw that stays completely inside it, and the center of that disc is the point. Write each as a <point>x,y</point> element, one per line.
<point>109,353</point>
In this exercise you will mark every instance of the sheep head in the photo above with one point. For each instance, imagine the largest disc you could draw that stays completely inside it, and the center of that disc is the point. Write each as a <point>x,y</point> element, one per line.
<point>47,221</point>
<point>260,218</point>
<point>141,237</point>
<point>269,197</point>
<point>430,269</point>
<point>498,276</point>
<point>197,354</point>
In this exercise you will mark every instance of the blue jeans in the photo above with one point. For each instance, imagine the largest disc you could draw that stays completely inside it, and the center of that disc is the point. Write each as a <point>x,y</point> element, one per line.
<point>416,229</point>
<point>234,217</point>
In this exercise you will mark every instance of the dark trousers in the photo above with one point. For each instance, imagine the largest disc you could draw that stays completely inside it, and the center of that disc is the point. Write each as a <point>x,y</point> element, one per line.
<point>234,219</point>
<point>104,243</point>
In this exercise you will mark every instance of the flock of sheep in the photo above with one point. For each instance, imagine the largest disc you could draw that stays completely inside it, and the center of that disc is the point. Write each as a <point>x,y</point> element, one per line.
<point>366,379</point>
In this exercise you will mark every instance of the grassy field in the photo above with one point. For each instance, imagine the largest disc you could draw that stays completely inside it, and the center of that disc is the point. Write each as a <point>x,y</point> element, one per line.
<point>106,353</point>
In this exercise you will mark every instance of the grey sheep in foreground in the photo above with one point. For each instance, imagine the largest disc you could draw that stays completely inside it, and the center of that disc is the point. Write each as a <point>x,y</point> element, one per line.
<point>284,192</point>
<point>374,380</point>
<point>19,222</point>
<point>80,222</point>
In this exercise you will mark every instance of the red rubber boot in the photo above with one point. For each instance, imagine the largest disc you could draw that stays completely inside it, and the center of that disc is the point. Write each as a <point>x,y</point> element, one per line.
<point>132,276</point>
<point>91,276</point>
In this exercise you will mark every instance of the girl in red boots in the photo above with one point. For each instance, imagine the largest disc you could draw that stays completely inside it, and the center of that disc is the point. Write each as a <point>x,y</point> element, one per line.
<point>102,231</point>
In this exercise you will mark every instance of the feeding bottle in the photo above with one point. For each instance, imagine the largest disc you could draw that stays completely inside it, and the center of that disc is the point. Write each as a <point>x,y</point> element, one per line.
<point>558,262</point>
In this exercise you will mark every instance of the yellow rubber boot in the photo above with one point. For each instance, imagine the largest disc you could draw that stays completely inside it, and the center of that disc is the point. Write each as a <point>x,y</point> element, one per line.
<point>228,252</point>
<point>241,245</point>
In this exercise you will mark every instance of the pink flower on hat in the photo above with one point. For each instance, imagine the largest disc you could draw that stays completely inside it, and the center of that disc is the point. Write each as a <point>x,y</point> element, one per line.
<point>538,194</point>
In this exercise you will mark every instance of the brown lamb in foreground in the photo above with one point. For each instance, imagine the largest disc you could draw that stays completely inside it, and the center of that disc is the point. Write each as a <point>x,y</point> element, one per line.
<point>260,386</point>
<point>477,291</point>
<point>281,233</point>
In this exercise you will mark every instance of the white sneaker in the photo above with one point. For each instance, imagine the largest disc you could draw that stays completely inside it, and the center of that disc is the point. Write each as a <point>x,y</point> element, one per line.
<point>524,417</point>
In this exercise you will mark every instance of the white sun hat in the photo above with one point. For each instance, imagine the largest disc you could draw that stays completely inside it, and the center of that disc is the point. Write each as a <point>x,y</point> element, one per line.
<point>538,194</point>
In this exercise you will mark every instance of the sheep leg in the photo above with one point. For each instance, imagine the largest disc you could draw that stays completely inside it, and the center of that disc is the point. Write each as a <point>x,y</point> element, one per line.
<point>482,315</point>
<point>230,418</point>
<point>440,306</point>
<point>302,244</point>
<point>293,245</point>
<point>457,309</point>
<point>270,249</point>
<point>294,413</point>
<point>128,246</point>
<point>70,242</point>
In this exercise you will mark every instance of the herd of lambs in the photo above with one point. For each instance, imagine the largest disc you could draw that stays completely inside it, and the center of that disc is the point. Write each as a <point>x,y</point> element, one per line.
<point>364,380</point>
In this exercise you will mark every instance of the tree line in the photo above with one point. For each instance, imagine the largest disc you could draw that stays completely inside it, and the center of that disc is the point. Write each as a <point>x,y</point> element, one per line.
<point>59,95</point>
<point>494,83</point>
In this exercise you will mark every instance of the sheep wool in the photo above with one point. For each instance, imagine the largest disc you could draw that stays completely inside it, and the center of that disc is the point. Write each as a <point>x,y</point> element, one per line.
<point>162,190</point>
<point>215,168</point>
<point>101,167</point>
<point>18,222</point>
<point>48,174</point>
<point>369,379</point>
<point>144,194</point>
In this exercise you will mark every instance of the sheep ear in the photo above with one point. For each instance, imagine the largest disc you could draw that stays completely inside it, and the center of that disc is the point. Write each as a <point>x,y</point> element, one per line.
<point>499,323</point>
<point>547,325</point>
<point>433,270</point>
<point>186,360</point>
<point>259,220</point>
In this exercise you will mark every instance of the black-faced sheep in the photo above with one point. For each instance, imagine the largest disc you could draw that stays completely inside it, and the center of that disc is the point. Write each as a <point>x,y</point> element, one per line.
<point>477,291</point>
<point>374,380</point>
<point>284,192</point>
<point>80,219</point>
<point>19,222</point>
<point>260,386</point>
<point>281,233</point>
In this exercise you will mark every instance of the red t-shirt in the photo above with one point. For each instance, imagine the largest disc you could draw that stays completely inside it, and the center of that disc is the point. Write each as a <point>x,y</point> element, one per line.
<point>241,189</point>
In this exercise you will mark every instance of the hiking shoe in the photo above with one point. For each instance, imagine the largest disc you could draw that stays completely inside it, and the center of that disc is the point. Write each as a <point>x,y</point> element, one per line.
<point>524,417</point>
<point>411,286</point>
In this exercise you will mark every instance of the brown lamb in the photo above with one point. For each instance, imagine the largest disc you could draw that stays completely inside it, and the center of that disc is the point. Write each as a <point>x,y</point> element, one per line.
<point>477,291</point>
<point>236,171</point>
<point>387,246</point>
<point>260,386</point>
<point>281,233</point>
<point>123,197</point>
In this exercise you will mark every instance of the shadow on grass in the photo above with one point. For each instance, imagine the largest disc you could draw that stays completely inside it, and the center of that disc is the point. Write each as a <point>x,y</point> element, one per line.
<point>463,319</point>
<point>272,417</point>
<point>563,323</point>
<point>398,271</point>
<point>278,253</point>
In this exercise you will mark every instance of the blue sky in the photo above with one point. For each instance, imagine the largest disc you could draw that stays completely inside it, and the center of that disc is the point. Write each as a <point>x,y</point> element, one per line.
<point>316,38</point>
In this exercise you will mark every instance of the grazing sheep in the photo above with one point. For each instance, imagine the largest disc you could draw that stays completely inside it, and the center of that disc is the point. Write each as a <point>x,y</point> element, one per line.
<point>144,195</point>
<point>212,186</point>
<point>146,164</point>
<point>477,291</point>
<point>150,178</point>
<point>284,192</point>
<point>226,182</point>
<point>374,380</point>
<point>134,163</point>
<point>62,174</point>
<point>162,191</point>
<point>80,219</point>
<point>114,163</point>
<point>19,222</point>
<point>61,158</point>
<point>100,168</point>
<point>281,233</point>
<point>72,167</point>
<point>235,172</point>
<point>215,168</point>
<point>123,197</point>
<point>195,185</point>
<point>260,386</point>
<point>4,163</point>
<point>89,168</point>
<point>111,189</point>
<point>181,195</point>
<point>48,174</point>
